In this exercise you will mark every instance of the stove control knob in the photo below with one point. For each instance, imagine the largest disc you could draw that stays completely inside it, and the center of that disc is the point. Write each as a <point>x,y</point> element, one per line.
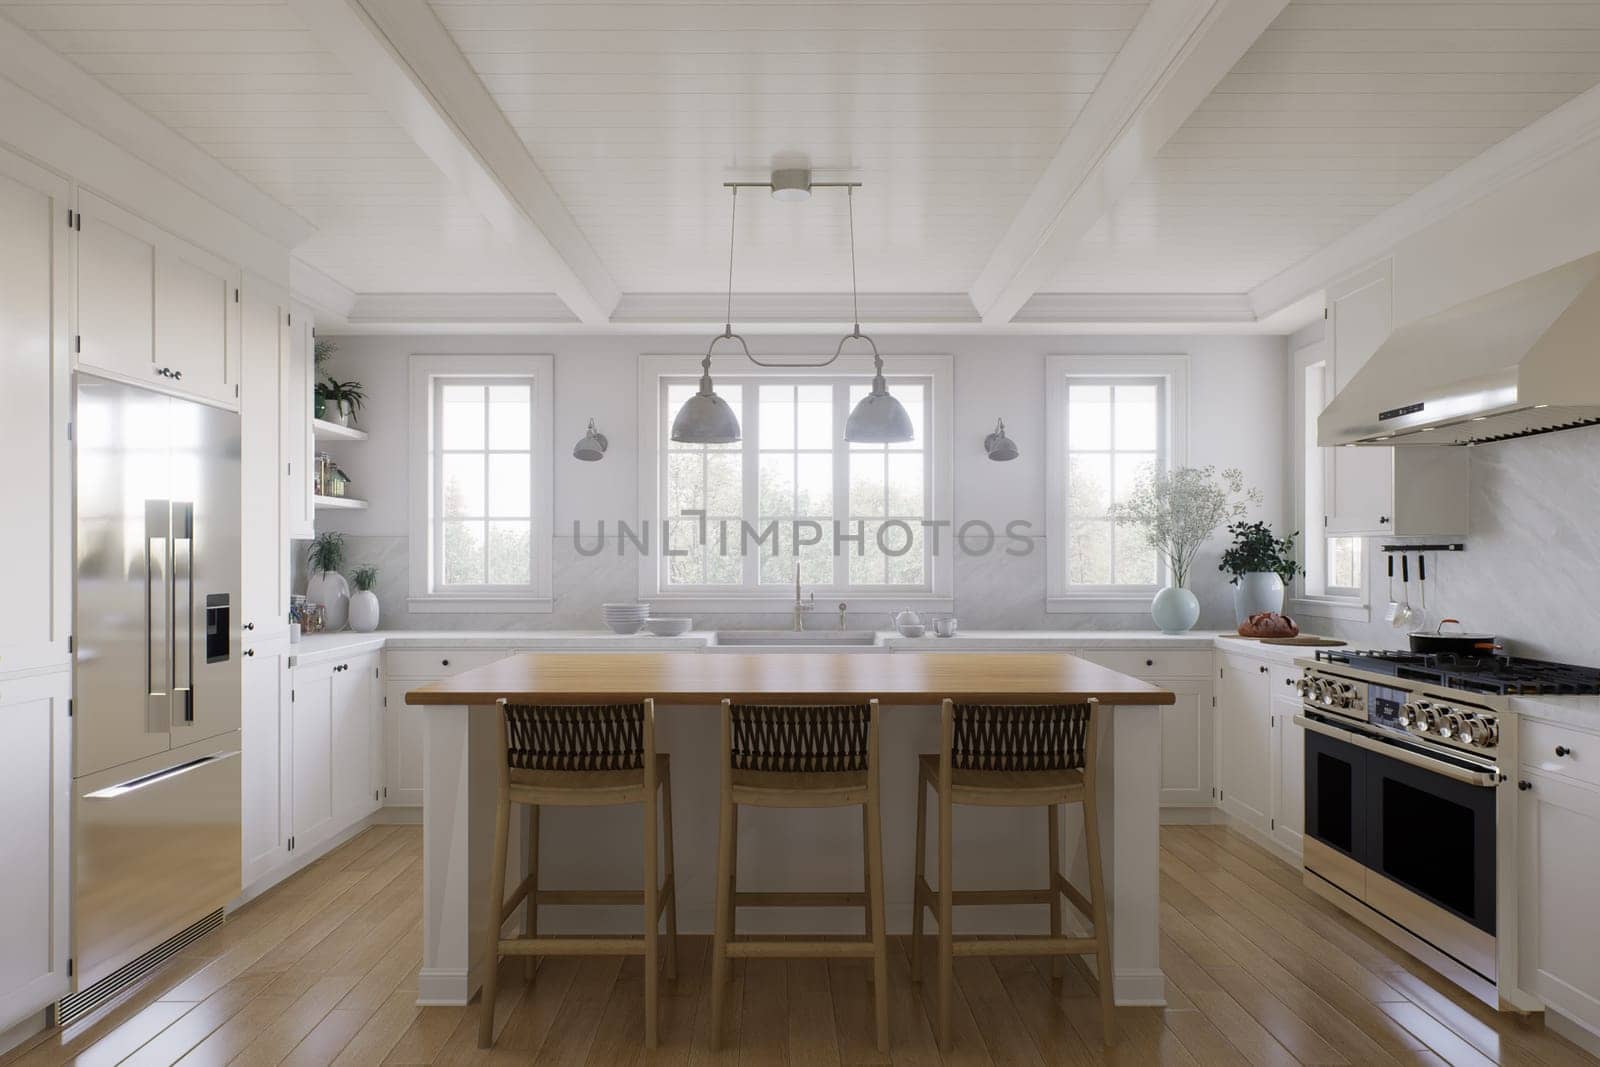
<point>1453,725</point>
<point>1343,695</point>
<point>1305,685</point>
<point>1411,714</point>
<point>1479,731</point>
<point>1429,721</point>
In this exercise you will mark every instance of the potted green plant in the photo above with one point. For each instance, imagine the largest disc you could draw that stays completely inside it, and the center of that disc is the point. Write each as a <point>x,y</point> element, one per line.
<point>1262,565</point>
<point>327,586</point>
<point>364,601</point>
<point>1177,511</point>
<point>342,400</point>
<point>322,350</point>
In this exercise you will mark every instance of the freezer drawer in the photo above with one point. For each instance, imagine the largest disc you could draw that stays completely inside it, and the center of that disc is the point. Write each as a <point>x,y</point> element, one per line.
<point>157,847</point>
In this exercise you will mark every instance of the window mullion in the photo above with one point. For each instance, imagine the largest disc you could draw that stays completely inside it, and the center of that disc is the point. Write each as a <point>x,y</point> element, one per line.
<point>750,470</point>
<point>841,480</point>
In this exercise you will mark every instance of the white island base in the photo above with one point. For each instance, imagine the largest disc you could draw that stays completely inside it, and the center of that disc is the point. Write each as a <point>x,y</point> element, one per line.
<point>796,850</point>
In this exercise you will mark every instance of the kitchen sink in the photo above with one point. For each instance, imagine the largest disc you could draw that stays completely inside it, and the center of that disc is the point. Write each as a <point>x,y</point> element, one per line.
<point>798,639</point>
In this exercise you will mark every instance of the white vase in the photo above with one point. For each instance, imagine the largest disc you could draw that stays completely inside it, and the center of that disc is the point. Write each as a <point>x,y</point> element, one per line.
<point>1175,610</point>
<point>1256,592</point>
<point>329,589</point>
<point>364,611</point>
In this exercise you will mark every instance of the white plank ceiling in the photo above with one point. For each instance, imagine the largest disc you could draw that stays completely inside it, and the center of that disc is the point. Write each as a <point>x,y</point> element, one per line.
<point>1339,111</point>
<point>245,81</point>
<point>947,111</point>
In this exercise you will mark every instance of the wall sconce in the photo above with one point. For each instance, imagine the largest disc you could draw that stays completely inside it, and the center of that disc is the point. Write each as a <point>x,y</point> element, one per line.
<point>998,445</point>
<point>593,445</point>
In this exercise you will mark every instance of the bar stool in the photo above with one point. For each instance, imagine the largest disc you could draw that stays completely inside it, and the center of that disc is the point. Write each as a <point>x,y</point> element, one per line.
<point>799,756</point>
<point>1012,756</point>
<point>581,756</point>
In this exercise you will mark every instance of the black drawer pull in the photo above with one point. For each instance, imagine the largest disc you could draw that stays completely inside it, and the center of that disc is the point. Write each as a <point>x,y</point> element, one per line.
<point>1563,750</point>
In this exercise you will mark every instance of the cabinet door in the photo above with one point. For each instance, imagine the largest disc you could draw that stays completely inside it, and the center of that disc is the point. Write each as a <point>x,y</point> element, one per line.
<point>36,796</point>
<point>403,741</point>
<point>352,740</point>
<point>1288,774</point>
<point>299,515</point>
<point>311,762</point>
<point>267,781</point>
<point>1560,866</point>
<point>1187,745</point>
<point>1244,777</point>
<point>1359,320</point>
<point>116,290</point>
<point>36,536</point>
<point>196,317</point>
<point>377,748</point>
<point>264,584</point>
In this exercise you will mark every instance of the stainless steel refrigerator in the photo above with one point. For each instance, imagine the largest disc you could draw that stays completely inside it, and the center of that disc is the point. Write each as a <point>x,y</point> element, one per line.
<point>156,819</point>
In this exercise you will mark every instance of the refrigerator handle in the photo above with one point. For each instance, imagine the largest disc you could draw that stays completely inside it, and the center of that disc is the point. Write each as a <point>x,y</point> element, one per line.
<point>158,616</point>
<point>183,611</point>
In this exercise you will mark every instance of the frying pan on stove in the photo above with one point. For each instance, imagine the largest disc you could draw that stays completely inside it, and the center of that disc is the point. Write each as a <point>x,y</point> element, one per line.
<point>1458,642</point>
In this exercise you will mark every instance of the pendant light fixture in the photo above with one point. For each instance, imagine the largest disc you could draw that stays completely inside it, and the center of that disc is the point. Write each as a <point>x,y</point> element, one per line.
<point>879,418</point>
<point>706,418</point>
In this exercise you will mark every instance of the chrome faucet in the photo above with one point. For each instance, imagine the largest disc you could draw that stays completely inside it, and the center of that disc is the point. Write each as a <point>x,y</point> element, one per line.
<point>800,606</point>
<point>843,607</point>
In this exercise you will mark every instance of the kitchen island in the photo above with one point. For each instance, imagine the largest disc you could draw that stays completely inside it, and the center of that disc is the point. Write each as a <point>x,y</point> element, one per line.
<point>995,847</point>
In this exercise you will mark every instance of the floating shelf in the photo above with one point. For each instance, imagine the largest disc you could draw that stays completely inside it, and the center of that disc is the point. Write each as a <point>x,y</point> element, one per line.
<point>338,503</point>
<point>332,431</point>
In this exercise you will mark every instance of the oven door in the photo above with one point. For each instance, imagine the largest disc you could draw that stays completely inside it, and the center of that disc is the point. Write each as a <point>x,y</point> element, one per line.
<point>1434,836</point>
<point>1335,811</point>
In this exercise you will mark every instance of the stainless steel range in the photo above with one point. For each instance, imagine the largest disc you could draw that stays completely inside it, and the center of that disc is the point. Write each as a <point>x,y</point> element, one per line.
<point>1407,826</point>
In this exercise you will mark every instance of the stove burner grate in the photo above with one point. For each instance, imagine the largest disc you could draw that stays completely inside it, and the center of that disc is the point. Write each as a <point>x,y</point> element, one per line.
<point>1505,675</point>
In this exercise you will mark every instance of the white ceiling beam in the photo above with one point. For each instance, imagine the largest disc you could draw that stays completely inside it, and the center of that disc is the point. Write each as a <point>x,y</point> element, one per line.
<point>1175,56</point>
<point>401,55</point>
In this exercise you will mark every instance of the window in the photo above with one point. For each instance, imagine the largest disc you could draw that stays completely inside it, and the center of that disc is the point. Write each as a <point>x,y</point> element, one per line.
<point>480,483</point>
<point>1334,565</point>
<point>737,519</point>
<point>1112,421</point>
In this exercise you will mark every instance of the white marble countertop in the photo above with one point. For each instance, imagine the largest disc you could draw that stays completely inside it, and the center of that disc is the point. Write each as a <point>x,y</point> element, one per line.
<point>1582,712</point>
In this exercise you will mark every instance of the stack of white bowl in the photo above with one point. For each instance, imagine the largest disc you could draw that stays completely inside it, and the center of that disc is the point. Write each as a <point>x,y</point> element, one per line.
<point>626,618</point>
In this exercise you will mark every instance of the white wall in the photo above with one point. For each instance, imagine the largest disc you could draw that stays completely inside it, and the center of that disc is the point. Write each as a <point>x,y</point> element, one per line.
<point>1237,418</point>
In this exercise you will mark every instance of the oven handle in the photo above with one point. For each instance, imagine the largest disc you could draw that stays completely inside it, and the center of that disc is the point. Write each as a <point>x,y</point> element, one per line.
<point>1484,779</point>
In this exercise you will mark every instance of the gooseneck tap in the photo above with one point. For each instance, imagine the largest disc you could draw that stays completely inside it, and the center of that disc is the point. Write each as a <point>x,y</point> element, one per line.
<point>800,606</point>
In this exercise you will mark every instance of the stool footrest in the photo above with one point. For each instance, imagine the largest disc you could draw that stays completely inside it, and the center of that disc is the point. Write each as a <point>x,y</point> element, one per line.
<point>799,950</point>
<point>1023,946</point>
<point>799,900</point>
<point>572,946</point>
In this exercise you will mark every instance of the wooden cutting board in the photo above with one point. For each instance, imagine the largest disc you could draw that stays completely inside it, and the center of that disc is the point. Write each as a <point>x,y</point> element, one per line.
<point>1303,641</point>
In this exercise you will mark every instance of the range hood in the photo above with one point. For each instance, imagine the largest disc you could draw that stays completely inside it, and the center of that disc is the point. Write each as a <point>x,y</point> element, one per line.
<point>1522,360</point>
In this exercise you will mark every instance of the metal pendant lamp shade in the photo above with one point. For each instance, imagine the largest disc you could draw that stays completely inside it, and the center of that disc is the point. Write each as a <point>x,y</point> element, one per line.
<point>706,418</point>
<point>879,419</point>
<point>592,447</point>
<point>1000,447</point>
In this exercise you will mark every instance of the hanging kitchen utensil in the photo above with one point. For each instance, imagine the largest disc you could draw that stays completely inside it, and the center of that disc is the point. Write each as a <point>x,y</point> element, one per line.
<point>1405,616</point>
<point>1394,606</point>
<point>1456,642</point>
<point>1422,585</point>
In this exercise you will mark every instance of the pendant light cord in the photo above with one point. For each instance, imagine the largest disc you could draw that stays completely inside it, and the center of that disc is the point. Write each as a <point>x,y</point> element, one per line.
<point>733,217</point>
<point>855,298</point>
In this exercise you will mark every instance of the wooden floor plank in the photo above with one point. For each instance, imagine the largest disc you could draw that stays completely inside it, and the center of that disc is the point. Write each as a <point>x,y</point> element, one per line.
<point>322,969</point>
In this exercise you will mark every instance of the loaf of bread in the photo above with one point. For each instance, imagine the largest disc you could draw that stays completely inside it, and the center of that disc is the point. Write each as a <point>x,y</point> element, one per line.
<point>1269,624</point>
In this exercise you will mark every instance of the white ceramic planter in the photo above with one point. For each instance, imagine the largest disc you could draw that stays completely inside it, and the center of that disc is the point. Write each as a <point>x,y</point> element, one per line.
<point>1257,592</point>
<point>329,589</point>
<point>1175,610</point>
<point>364,611</point>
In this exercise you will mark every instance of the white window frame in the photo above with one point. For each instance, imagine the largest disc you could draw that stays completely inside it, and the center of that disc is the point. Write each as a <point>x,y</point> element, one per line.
<point>425,371</point>
<point>936,370</point>
<point>1173,370</point>
<point>1356,605</point>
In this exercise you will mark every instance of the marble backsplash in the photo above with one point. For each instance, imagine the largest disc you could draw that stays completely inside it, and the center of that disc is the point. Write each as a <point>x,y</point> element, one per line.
<point>992,592</point>
<point>1531,569</point>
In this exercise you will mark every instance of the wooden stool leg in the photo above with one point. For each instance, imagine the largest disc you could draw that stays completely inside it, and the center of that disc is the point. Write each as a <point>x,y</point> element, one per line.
<point>652,918</point>
<point>946,899</point>
<point>866,873</point>
<point>1053,826</point>
<point>1102,926</point>
<point>880,949</point>
<point>496,902</point>
<point>530,923</point>
<point>733,878</point>
<point>723,917</point>
<point>672,902</point>
<point>918,902</point>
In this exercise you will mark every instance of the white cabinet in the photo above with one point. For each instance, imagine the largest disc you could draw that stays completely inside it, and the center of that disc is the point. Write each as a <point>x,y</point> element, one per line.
<point>36,797</point>
<point>1412,491</point>
<point>402,744</point>
<point>333,786</point>
<point>35,536</point>
<point>311,762</point>
<point>1244,734</point>
<point>299,514</point>
<point>1287,817</point>
<point>265,738</point>
<point>1559,867</point>
<point>352,684</point>
<point>1187,745</point>
<point>154,309</point>
<point>263,332</point>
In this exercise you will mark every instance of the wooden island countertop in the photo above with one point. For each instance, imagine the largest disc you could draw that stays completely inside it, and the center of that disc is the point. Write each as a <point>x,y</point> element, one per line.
<point>815,677</point>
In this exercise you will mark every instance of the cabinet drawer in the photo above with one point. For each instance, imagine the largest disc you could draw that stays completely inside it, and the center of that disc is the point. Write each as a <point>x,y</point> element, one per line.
<point>439,662</point>
<point>1580,752</point>
<point>1152,663</point>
